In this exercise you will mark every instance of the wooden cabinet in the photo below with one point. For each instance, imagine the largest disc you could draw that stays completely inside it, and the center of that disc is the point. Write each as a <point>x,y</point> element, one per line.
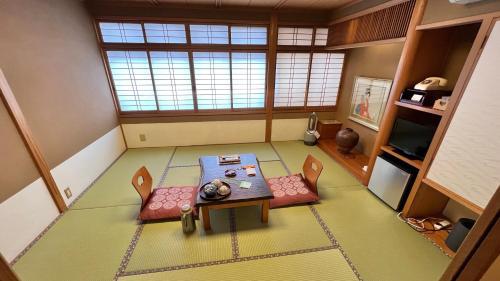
<point>328,128</point>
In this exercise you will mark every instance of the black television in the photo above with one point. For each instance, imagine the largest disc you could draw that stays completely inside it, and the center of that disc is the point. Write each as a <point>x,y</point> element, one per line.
<point>411,138</point>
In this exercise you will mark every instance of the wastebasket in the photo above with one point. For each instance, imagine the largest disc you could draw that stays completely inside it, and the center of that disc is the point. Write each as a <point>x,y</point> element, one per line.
<point>459,232</point>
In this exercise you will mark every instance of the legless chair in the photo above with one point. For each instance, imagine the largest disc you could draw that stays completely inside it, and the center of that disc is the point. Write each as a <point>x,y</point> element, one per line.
<point>144,188</point>
<point>296,189</point>
<point>312,169</point>
<point>163,203</point>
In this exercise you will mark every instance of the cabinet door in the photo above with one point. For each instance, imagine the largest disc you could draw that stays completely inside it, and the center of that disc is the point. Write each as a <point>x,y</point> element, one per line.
<point>468,160</point>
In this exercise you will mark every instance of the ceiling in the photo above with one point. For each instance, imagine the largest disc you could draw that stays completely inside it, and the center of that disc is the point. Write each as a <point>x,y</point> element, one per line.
<point>274,4</point>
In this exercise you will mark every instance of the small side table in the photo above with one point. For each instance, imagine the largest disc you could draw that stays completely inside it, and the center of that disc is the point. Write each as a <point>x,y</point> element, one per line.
<point>328,128</point>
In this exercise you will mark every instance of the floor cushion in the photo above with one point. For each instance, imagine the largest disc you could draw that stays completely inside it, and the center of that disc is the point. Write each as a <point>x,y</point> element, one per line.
<point>290,190</point>
<point>165,203</point>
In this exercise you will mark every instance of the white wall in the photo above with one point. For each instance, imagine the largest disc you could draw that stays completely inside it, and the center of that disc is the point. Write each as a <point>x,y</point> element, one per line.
<point>195,133</point>
<point>78,171</point>
<point>27,213</point>
<point>288,129</point>
<point>23,216</point>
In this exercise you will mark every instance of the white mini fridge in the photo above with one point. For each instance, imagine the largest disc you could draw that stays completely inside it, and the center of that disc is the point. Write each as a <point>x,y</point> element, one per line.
<point>391,181</point>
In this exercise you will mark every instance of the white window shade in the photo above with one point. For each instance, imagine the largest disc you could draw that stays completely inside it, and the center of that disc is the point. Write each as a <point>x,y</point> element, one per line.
<point>324,82</point>
<point>212,75</point>
<point>209,34</point>
<point>165,33</point>
<point>132,80</point>
<point>321,36</point>
<point>249,79</point>
<point>295,36</point>
<point>114,32</point>
<point>172,79</point>
<point>291,79</point>
<point>248,35</point>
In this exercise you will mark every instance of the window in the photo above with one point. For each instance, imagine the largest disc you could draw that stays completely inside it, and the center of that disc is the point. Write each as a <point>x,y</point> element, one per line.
<point>326,71</point>
<point>113,32</point>
<point>132,80</point>
<point>295,36</point>
<point>291,79</point>
<point>212,75</point>
<point>165,33</point>
<point>209,34</point>
<point>172,80</point>
<point>306,75</point>
<point>155,76</point>
<point>248,35</point>
<point>249,79</point>
<point>321,36</point>
<point>158,67</point>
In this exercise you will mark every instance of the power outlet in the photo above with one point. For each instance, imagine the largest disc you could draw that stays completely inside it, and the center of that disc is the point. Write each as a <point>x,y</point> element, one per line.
<point>142,137</point>
<point>68,193</point>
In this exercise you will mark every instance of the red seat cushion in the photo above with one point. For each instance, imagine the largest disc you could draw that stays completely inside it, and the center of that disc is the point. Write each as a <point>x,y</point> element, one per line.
<point>290,190</point>
<point>165,203</point>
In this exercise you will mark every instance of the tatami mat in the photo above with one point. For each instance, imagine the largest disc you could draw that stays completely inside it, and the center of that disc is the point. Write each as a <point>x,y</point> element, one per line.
<point>189,155</point>
<point>183,176</point>
<point>115,188</point>
<point>272,169</point>
<point>288,229</point>
<point>381,246</point>
<point>164,244</point>
<point>89,244</point>
<point>293,153</point>
<point>316,266</point>
<point>82,245</point>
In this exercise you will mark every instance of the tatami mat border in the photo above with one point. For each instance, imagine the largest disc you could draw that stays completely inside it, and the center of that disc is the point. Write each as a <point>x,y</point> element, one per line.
<point>226,261</point>
<point>126,258</point>
<point>133,243</point>
<point>280,159</point>
<point>234,235</point>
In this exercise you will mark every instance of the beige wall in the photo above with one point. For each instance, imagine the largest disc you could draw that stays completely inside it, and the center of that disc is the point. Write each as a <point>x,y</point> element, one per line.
<point>17,168</point>
<point>441,10</point>
<point>49,55</point>
<point>50,58</point>
<point>376,61</point>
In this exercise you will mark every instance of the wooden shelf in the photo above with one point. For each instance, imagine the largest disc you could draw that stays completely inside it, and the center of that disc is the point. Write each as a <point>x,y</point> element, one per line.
<point>392,151</point>
<point>420,108</point>
<point>353,162</point>
<point>453,196</point>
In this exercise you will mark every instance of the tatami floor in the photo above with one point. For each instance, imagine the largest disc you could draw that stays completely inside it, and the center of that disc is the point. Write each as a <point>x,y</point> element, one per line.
<point>350,235</point>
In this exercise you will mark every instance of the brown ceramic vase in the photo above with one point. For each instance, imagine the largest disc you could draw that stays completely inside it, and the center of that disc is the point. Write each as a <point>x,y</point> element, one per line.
<point>346,140</point>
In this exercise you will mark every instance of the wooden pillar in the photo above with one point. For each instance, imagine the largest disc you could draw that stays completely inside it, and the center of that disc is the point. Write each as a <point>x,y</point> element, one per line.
<point>6,273</point>
<point>17,116</point>
<point>271,73</point>
<point>480,248</point>
<point>401,80</point>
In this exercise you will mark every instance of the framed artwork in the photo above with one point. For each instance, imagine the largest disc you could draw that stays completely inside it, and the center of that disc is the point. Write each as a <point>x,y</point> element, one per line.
<point>369,98</point>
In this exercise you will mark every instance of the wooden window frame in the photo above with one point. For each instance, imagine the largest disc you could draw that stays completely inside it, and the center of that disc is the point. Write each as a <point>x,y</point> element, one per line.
<point>190,48</point>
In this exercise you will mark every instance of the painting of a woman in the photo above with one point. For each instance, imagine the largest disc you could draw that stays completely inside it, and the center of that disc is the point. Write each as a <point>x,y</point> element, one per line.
<point>369,99</point>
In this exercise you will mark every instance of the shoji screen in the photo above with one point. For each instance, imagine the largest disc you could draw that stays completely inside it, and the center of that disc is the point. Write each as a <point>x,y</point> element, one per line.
<point>468,160</point>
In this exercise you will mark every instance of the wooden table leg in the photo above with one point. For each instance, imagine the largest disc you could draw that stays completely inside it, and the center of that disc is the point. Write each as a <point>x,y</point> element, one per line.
<point>206,218</point>
<point>265,211</point>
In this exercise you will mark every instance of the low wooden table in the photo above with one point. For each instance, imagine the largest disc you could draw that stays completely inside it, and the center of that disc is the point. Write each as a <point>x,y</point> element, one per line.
<point>258,194</point>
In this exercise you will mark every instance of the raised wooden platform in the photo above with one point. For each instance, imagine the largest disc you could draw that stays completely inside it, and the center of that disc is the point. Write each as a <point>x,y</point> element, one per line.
<point>353,162</point>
